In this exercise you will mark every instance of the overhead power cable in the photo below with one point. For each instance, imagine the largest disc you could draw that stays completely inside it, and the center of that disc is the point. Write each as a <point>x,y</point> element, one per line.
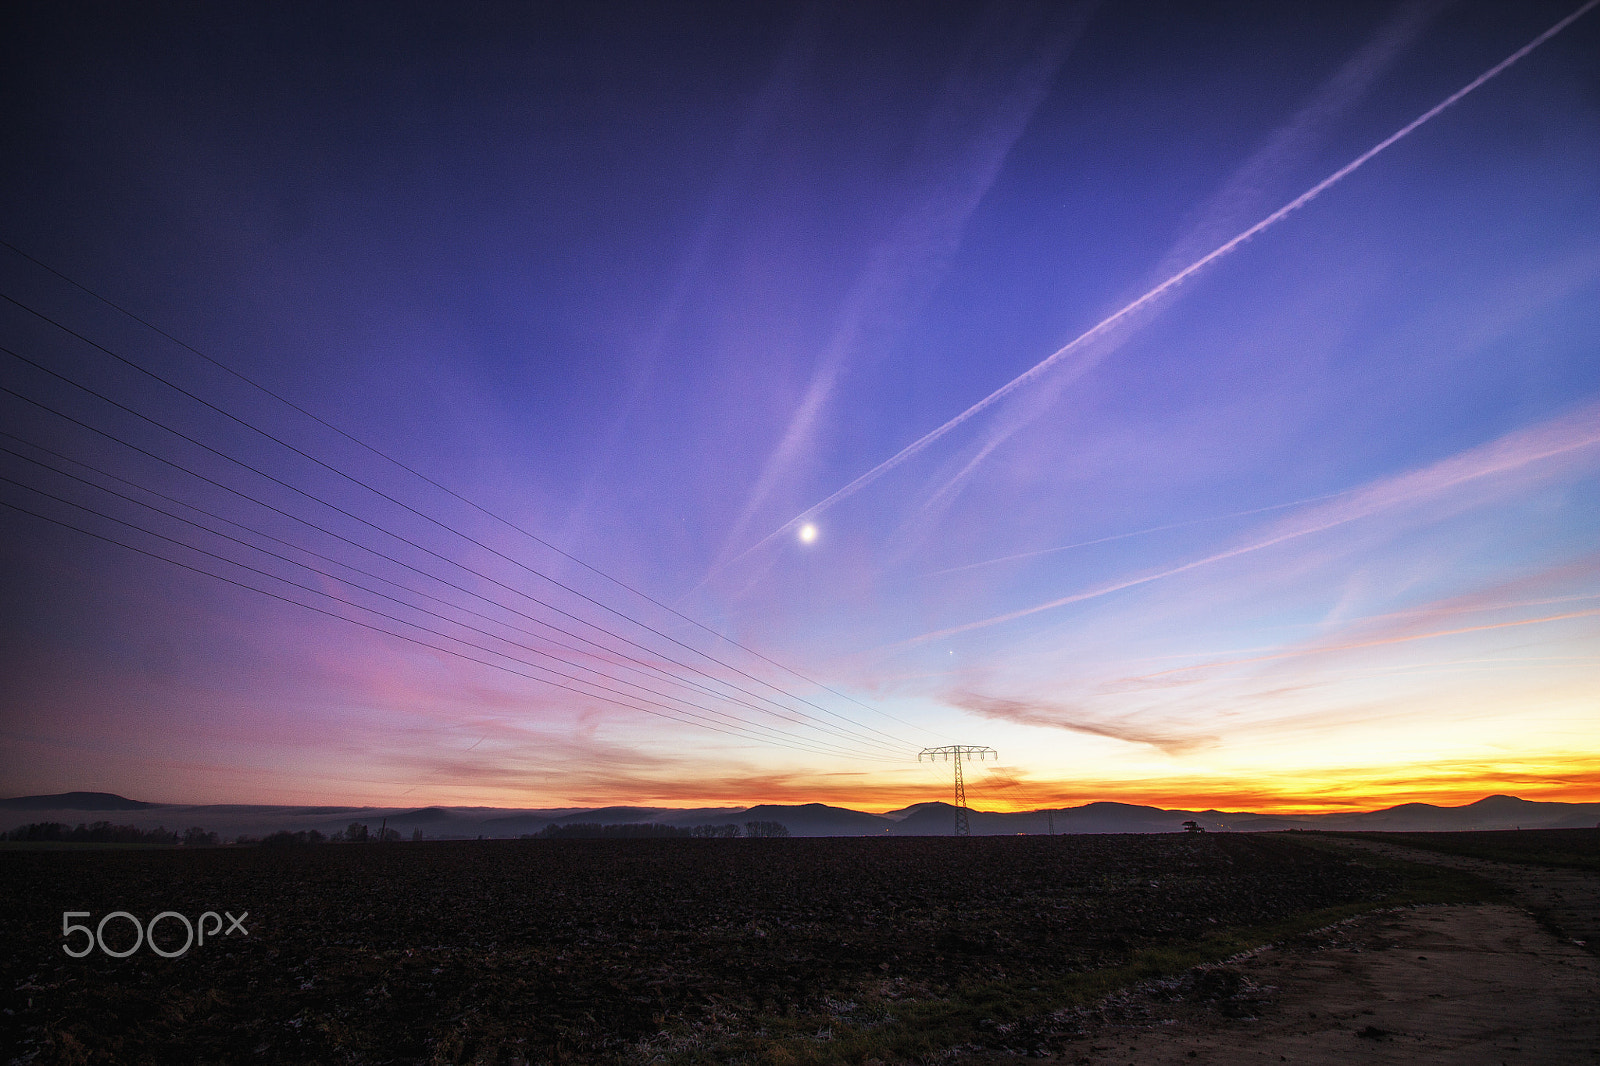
<point>664,711</point>
<point>244,496</point>
<point>734,719</point>
<point>372,525</point>
<point>653,670</point>
<point>386,457</point>
<point>378,629</point>
<point>425,517</point>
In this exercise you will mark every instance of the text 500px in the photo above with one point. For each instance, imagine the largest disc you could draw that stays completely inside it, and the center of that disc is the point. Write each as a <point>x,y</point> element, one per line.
<point>146,933</point>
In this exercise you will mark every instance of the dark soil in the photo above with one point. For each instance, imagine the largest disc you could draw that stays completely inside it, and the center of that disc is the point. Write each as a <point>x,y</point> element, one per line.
<point>1573,849</point>
<point>602,950</point>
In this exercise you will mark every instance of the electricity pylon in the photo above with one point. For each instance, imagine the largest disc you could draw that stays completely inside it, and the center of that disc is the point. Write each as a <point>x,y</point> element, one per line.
<point>955,752</point>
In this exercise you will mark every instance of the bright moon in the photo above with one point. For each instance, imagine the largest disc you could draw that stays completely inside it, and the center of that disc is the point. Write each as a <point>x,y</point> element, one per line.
<point>808,533</point>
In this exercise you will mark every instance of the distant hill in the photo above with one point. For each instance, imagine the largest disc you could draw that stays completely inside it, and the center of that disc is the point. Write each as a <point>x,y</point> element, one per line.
<point>818,820</point>
<point>805,819</point>
<point>75,801</point>
<point>1491,812</point>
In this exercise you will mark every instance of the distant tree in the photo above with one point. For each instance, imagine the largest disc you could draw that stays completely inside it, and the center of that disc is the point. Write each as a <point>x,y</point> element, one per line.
<point>387,834</point>
<point>626,831</point>
<point>105,833</point>
<point>93,833</point>
<point>1192,826</point>
<point>416,834</point>
<point>574,829</point>
<point>765,829</point>
<point>356,833</point>
<point>287,838</point>
<point>39,831</point>
<point>651,830</point>
<point>197,837</point>
<point>715,831</point>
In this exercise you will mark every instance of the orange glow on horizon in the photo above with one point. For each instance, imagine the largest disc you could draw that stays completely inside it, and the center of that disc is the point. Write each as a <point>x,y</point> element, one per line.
<point>1323,793</point>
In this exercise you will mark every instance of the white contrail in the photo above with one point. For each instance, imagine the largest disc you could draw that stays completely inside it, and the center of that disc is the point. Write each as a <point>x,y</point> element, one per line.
<point>907,265</point>
<point>1559,436</point>
<point>1134,533</point>
<point>1232,206</point>
<point>1105,324</point>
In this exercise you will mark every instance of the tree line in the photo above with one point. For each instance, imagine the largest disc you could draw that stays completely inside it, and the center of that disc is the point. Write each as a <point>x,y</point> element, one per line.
<point>358,833</point>
<point>106,833</point>
<point>655,830</point>
<point>354,833</point>
<point>194,837</point>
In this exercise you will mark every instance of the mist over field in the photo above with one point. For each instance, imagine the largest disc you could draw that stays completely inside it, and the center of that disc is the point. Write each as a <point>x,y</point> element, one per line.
<point>233,821</point>
<point>798,533</point>
<point>573,406</point>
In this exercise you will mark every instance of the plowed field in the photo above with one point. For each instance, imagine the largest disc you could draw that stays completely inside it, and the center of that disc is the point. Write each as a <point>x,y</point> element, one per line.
<point>634,950</point>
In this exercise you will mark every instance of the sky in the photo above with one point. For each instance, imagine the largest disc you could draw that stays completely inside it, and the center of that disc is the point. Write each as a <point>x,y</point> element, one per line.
<point>716,404</point>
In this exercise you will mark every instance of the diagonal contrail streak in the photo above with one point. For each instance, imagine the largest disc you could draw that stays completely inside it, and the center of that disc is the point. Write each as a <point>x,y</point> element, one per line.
<point>1104,325</point>
<point>1558,437</point>
<point>1233,205</point>
<point>1134,533</point>
<point>1378,642</point>
<point>981,125</point>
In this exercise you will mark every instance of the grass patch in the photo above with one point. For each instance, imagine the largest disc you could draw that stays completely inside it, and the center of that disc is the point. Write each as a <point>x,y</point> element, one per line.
<point>1017,1014</point>
<point>674,951</point>
<point>79,845</point>
<point>1422,883</point>
<point>1572,849</point>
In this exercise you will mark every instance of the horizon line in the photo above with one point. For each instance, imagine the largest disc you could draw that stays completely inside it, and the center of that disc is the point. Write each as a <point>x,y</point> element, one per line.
<point>1311,810</point>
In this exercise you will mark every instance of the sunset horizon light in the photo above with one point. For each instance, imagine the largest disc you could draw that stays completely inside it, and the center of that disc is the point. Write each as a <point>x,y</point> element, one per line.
<point>570,406</point>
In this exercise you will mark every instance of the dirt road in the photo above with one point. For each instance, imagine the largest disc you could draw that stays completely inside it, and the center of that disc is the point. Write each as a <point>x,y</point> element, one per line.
<point>1485,984</point>
<point>1567,902</point>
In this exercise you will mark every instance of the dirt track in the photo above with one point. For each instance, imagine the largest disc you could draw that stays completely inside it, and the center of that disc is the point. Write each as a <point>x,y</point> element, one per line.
<point>1482,984</point>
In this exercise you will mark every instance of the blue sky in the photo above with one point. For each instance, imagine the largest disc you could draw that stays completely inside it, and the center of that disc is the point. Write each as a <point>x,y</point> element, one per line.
<point>1314,528</point>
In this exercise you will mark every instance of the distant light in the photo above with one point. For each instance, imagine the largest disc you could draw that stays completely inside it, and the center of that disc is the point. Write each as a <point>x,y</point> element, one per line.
<point>808,533</point>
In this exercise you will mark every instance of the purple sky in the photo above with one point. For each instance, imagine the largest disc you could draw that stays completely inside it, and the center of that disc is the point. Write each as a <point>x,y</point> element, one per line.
<point>1316,526</point>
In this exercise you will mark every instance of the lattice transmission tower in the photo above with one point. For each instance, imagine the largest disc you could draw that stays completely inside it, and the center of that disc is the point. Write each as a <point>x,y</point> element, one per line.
<point>955,753</point>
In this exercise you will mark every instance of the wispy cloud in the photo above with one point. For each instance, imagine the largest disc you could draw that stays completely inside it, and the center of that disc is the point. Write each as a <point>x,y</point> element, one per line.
<point>966,142</point>
<point>1377,642</point>
<point>1572,437</point>
<point>1230,207</point>
<point>763,112</point>
<point>1134,533</point>
<point>1446,782</point>
<point>1444,618</point>
<point>1079,355</point>
<point>1291,145</point>
<point>1056,716</point>
<point>675,783</point>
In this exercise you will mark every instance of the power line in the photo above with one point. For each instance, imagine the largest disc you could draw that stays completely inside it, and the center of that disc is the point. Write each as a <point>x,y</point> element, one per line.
<point>694,719</point>
<point>441,487</point>
<point>372,525</point>
<point>600,647</point>
<point>1015,786</point>
<point>654,671</point>
<point>426,517</point>
<point>955,753</point>
<point>433,614</point>
<point>349,514</point>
